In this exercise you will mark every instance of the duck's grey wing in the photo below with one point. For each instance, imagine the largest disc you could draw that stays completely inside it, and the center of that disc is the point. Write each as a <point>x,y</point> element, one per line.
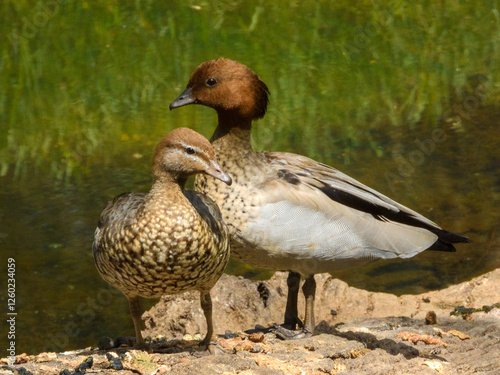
<point>119,212</point>
<point>318,212</point>
<point>350,192</point>
<point>207,209</point>
<point>123,208</point>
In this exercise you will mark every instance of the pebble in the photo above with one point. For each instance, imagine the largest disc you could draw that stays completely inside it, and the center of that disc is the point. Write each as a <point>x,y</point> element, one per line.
<point>256,349</point>
<point>106,343</point>
<point>114,362</point>
<point>459,334</point>
<point>14,370</point>
<point>46,357</point>
<point>163,370</point>
<point>124,341</point>
<point>431,318</point>
<point>229,335</point>
<point>435,365</point>
<point>21,358</point>
<point>84,366</point>
<point>256,337</point>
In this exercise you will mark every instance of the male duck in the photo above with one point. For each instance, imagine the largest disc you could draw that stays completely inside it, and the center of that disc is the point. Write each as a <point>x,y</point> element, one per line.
<point>169,240</point>
<point>289,212</point>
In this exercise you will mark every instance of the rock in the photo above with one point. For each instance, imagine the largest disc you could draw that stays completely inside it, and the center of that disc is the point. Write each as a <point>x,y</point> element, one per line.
<point>106,343</point>
<point>114,361</point>
<point>363,337</point>
<point>256,337</point>
<point>22,358</point>
<point>85,365</point>
<point>124,341</point>
<point>435,365</point>
<point>431,318</point>
<point>46,357</point>
<point>415,338</point>
<point>239,304</point>
<point>459,334</point>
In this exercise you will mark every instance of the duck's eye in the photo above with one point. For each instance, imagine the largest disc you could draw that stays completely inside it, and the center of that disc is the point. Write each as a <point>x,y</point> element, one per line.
<point>190,150</point>
<point>211,82</point>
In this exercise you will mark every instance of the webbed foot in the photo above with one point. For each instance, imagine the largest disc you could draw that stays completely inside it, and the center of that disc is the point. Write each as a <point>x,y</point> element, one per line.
<point>290,334</point>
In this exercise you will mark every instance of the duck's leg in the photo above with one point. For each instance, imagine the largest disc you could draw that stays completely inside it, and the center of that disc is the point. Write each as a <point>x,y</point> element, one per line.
<point>206,305</point>
<point>291,312</point>
<point>309,290</point>
<point>135,311</point>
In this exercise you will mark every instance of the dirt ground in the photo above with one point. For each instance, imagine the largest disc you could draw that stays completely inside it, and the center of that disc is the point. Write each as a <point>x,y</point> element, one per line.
<point>357,332</point>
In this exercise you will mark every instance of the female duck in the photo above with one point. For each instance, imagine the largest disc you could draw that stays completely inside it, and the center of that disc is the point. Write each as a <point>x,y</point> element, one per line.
<point>289,212</point>
<point>169,240</point>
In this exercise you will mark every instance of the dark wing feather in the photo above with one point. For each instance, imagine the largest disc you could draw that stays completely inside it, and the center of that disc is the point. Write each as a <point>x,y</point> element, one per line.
<point>207,209</point>
<point>294,169</point>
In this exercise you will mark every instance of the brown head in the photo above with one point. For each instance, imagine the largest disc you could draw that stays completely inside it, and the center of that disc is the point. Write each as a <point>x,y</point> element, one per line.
<point>184,152</point>
<point>228,87</point>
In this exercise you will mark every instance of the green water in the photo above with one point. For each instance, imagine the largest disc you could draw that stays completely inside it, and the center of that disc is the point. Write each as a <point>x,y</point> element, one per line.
<point>403,97</point>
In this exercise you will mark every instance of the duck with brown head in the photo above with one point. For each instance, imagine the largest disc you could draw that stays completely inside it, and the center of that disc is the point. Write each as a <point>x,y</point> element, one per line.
<point>233,90</point>
<point>169,240</point>
<point>289,212</point>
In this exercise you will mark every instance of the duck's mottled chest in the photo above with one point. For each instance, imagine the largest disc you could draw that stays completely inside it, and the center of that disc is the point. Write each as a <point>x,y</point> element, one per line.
<point>167,249</point>
<point>238,201</point>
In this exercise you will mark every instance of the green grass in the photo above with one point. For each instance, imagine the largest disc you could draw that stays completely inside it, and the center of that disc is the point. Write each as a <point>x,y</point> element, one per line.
<point>80,81</point>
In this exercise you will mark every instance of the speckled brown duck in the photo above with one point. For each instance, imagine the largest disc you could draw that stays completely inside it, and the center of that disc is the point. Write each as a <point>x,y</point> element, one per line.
<point>289,212</point>
<point>169,240</point>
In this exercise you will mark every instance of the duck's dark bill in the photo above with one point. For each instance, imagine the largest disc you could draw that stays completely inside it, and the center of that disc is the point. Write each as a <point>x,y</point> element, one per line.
<point>184,99</point>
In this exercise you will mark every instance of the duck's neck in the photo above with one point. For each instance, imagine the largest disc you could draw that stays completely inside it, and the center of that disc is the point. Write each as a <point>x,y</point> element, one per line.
<point>165,190</point>
<point>234,135</point>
